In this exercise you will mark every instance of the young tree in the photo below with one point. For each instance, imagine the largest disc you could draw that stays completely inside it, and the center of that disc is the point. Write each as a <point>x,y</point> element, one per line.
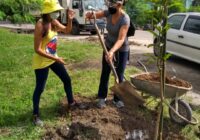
<point>159,16</point>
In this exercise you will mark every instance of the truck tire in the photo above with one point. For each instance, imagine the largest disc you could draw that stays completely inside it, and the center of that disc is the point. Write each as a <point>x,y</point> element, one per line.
<point>75,29</point>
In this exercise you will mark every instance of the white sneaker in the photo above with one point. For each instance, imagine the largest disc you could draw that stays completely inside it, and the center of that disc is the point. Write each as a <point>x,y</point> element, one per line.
<point>37,121</point>
<point>118,104</point>
<point>101,103</point>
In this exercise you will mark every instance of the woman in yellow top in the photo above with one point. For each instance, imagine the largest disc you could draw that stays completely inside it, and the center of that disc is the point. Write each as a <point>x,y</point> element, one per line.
<point>45,57</point>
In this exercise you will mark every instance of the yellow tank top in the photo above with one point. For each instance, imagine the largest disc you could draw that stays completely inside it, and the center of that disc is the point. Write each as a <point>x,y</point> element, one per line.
<point>49,45</point>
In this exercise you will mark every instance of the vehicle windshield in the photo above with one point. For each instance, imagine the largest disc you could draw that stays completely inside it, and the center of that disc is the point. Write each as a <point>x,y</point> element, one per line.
<point>95,4</point>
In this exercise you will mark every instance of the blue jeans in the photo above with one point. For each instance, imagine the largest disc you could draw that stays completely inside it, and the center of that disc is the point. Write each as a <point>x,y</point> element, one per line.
<point>41,77</point>
<point>121,60</point>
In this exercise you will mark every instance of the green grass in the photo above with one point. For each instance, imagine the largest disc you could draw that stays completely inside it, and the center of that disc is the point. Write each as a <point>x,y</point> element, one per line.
<point>17,83</point>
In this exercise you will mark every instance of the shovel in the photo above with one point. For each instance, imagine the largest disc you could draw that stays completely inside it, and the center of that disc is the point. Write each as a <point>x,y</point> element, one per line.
<point>124,90</point>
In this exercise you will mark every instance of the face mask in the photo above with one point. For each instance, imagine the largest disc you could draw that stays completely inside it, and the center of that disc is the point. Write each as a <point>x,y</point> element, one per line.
<point>54,15</point>
<point>112,10</point>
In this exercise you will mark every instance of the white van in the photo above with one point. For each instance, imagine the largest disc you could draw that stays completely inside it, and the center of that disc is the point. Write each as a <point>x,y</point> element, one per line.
<point>81,7</point>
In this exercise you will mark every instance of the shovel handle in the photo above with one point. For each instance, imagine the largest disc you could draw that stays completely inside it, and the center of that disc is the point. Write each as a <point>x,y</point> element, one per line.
<point>105,49</point>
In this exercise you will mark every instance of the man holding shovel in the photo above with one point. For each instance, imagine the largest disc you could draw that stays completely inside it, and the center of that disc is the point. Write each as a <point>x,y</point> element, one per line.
<point>116,41</point>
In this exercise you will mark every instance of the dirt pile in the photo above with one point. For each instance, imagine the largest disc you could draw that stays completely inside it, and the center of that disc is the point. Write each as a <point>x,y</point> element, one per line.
<point>109,123</point>
<point>76,131</point>
<point>169,80</point>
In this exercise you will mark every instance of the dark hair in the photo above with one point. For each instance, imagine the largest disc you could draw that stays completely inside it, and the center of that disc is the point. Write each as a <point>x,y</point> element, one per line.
<point>115,1</point>
<point>45,22</point>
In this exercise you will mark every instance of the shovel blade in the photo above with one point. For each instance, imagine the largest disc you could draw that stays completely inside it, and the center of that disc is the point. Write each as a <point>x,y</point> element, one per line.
<point>127,93</point>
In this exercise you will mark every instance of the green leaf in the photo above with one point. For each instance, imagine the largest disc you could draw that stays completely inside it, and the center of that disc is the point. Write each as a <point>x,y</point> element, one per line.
<point>158,28</point>
<point>167,56</point>
<point>166,28</point>
<point>154,33</point>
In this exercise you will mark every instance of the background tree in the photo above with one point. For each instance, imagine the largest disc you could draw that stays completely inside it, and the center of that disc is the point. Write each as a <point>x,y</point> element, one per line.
<point>176,6</point>
<point>195,6</point>
<point>140,11</point>
<point>196,3</point>
<point>18,11</point>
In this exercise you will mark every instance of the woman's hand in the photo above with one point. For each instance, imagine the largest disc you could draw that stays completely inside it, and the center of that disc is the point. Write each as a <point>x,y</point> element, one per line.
<point>109,57</point>
<point>60,60</point>
<point>71,14</point>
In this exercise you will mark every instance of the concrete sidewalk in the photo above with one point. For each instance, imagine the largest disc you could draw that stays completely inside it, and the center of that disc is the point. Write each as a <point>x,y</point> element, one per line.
<point>19,27</point>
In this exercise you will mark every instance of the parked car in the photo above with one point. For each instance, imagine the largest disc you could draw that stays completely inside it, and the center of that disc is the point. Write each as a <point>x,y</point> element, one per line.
<point>183,37</point>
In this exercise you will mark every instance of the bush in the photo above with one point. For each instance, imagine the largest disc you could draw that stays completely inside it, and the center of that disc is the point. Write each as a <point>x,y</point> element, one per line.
<point>140,11</point>
<point>194,9</point>
<point>18,11</point>
<point>2,15</point>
